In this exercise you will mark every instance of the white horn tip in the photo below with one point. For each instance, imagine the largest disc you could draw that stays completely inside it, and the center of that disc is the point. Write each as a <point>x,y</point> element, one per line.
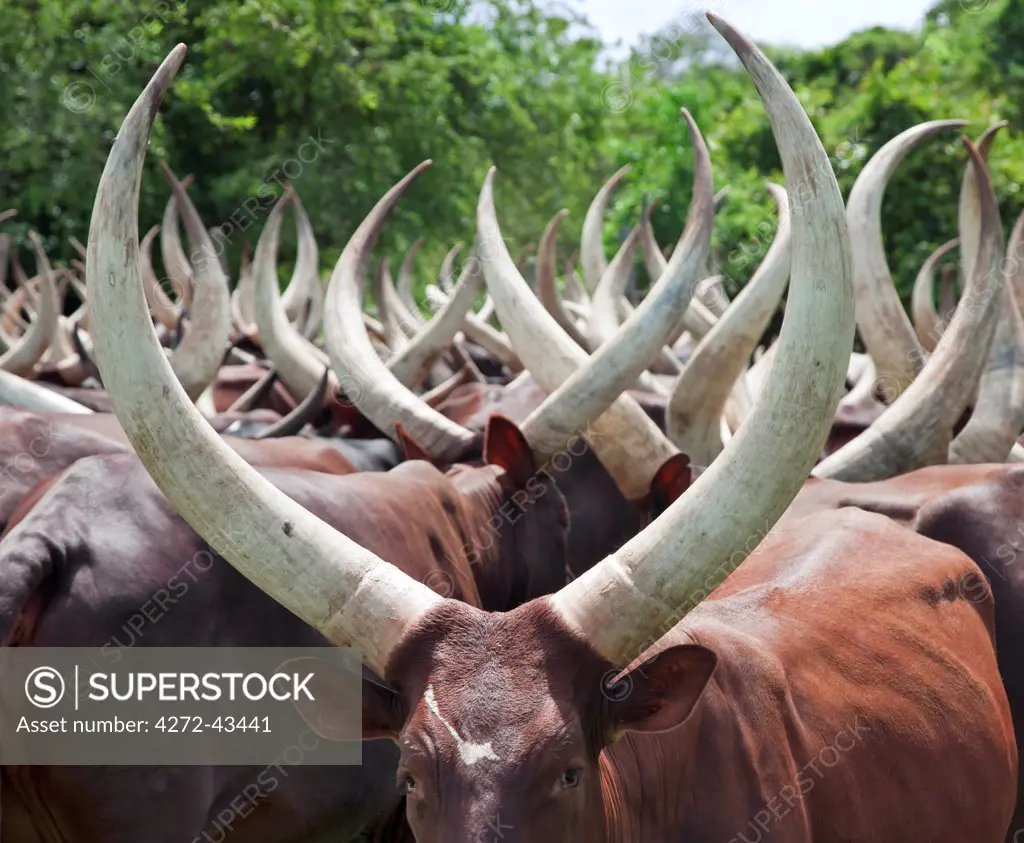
<point>738,41</point>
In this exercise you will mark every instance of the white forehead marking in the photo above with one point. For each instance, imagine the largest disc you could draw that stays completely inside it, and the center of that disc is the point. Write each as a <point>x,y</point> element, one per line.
<point>469,752</point>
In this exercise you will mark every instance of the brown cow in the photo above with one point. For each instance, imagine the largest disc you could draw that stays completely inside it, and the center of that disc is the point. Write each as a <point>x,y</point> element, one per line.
<point>34,446</point>
<point>978,509</point>
<point>810,729</point>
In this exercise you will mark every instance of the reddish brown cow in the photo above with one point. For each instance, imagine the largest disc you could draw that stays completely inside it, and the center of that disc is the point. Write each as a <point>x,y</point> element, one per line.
<point>791,739</point>
<point>978,509</point>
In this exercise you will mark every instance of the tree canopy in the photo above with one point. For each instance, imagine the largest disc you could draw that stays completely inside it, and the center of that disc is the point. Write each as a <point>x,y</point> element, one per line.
<point>342,97</point>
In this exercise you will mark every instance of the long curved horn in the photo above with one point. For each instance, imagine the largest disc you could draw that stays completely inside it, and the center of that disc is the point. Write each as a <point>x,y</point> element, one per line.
<point>444,280</point>
<point>406,275</point>
<point>242,314</point>
<point>948,293</point>
<point>616,364</point>
<point>176,263</point>
<point>301,415</point>
<point>915,430</point>
<point>308,263</point>
<point>604,304</point>
<point>1015,254</point>
<point>20,277</point>
<point>927,323</point>
<point>630,598</point>
<point>338,587</point>
<point>304,285</point>
<point>75,243</point>
<point>368,382</point>
<point>574,290</point>
<point>591,238</point>
<point>883,325</point>
<point>17,392</point>
<point>389,318</point>
<point>298,362</point>
<point>698,400</point>
<point>409,364</point>
<point>998,414</point>
<point>409,321</point>
<point>221,241</point>
<point>197,358</point>
<point>245,281</point>
<point>968,213</point>
<point>698,320</point>
<point>21,358</point>
<point>547,291</point>
<point>165,311</point>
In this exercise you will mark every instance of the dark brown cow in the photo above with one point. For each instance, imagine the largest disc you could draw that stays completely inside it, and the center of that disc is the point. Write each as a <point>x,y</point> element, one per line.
<point>39,445</point>
<point>602,518</point>
<point>153,582</point>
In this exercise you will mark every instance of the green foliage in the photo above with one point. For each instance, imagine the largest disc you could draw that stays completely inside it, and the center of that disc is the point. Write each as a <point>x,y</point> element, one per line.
<point>342,97</point>
<point>967,63</point>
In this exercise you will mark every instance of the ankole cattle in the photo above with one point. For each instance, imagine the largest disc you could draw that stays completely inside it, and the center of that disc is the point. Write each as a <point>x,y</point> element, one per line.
<point>819,692</point>
<point>101,559</point>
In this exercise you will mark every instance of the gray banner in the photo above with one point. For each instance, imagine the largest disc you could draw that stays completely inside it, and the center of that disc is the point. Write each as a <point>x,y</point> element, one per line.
<point>180,706</point>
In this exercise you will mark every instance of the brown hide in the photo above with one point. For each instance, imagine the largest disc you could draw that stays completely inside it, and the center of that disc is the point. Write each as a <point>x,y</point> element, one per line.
<point>978,509</point>
<point>34,446</point>
<point>856,697</point>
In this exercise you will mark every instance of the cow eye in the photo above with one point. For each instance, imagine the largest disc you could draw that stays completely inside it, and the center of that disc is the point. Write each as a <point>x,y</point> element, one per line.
<point>570,778</point>
<point>410,783</point>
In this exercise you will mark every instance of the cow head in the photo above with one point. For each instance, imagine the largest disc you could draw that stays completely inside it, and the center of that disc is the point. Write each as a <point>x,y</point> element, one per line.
<point>501,720</point>
<point>514,519</point>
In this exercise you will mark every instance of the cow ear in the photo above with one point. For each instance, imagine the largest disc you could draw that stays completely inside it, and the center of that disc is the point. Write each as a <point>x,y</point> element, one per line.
<point>669,483</point>
<point>412,449</point>
<point>506,447</point>
<point>340,700</point>
<point>660,693</point>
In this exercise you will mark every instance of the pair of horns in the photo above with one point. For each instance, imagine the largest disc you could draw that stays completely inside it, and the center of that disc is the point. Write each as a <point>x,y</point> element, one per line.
<point>351,595</point>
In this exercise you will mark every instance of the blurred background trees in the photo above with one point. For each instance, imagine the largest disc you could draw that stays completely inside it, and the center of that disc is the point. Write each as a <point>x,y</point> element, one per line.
<point>342,97</point>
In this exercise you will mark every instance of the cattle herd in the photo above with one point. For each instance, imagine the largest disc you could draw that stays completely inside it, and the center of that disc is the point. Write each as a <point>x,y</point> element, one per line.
<point>614,573</point>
